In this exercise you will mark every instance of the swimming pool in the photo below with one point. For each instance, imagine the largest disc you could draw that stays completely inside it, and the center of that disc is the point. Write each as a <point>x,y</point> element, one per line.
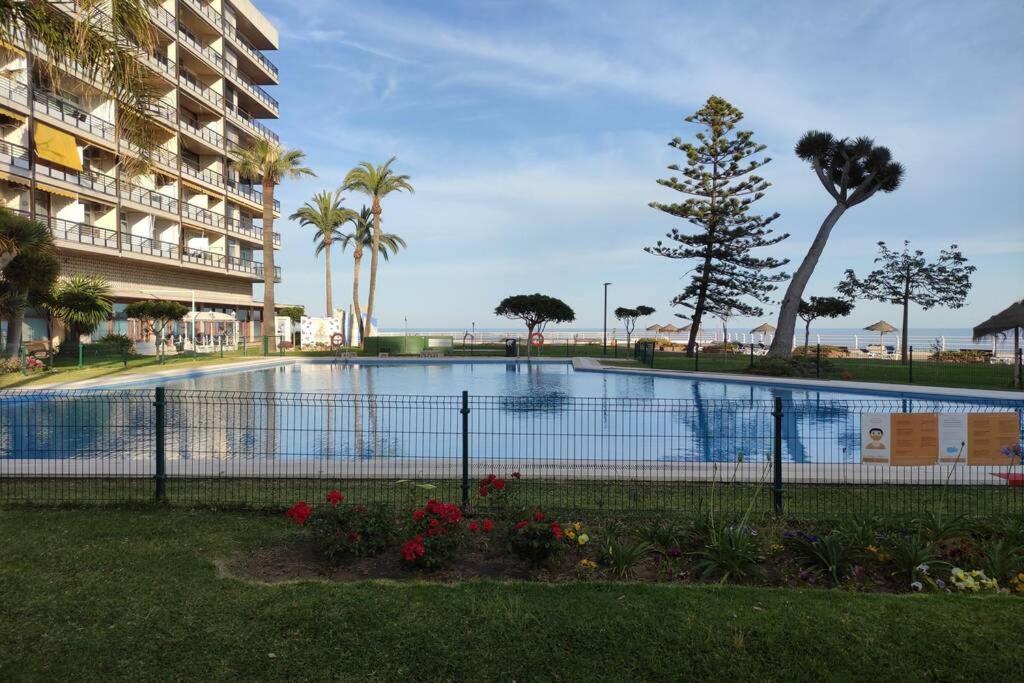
<point>324,412</point>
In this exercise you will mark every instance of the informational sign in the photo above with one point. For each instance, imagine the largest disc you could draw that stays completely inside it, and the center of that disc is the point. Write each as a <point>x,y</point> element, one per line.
<point>317,332</point>
<point>921,439</point>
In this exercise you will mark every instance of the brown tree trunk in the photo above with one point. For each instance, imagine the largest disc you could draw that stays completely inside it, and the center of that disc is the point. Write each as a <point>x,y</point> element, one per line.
<point>269,329</point>
<point>330,301</point>
<point>14,324</point>
<point>904,351</point>
<point>357,259</point>
<point>782,342</point>
<point>374,253</point>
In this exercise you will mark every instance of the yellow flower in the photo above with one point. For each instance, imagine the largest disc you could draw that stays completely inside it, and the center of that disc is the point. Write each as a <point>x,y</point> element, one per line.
<point>570,534</point>
<point>872,549</point>
<point>577,526</point>
<point>582,540</point>
<point>588,565</point>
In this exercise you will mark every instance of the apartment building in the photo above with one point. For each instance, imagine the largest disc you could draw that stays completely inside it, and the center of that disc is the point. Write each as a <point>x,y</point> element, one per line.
<point>190,228</point>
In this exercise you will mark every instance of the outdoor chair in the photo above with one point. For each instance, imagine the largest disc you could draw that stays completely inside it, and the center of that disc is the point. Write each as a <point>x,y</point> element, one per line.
<point>37,349</point>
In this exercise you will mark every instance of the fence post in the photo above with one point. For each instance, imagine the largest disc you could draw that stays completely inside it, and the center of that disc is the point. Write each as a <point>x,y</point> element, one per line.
<point>817,364</point>
<point>161,456</point>
<point>81,355</point>
<point>696,359</point>
<point>124,357</point>
<point>243,346</point>
<point>653,346</point>
<point>751,352</point>
<point>266,345</point>
<point>465,448</point>
<point>910,364</point>
<point>777,456</point>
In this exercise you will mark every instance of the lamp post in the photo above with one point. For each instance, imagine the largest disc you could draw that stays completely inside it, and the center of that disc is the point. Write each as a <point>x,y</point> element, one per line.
<point>604,343</point>
<point>406,326</point>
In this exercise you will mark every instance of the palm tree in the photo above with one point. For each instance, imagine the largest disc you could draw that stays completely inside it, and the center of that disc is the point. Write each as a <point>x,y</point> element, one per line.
<point>104,40</point>
<point>852,171</point>
<point>327,215</point>
<point>361,238</point>
<point>81,302</point>
<point>269,163</point>
<point>375,182</point>
<point>29,265</point>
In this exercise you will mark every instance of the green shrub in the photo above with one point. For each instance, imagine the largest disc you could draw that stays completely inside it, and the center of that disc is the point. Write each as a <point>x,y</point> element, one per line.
<point>798,366</point>
<point>622,556</point>
<point>1000,558</point>
<point>115,343</point>
<point>730,552</point>
<point>911,556</point>
<point>963,356</point>
<point>344,531</point>
<point>535,539</point>
<point>829,554</point>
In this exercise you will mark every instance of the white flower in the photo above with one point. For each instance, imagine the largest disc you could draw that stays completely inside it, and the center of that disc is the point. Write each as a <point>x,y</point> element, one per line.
<point>923,568</point>
<point>917,586</point>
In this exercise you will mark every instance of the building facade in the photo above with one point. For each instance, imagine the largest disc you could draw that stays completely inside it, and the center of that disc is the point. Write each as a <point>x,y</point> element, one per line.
<point>190,228</point>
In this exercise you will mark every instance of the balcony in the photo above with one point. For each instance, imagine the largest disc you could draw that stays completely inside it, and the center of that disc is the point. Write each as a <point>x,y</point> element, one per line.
<point>164,111</point>
<point>201,215</point>
<point>14,155</point>
<point>202,257</point>
<point>203,133</point>
<point>150,198</point>
<point>87,179</point>
<point>212,16</point>
<point>252,267</point>
<point>157,62</point>
<point>252,124</point>
<point>204,174</point>
<point>62,110</point>
<point>249,193</point>
<point>83,233</point>
<point>163,19</point>
<point>13,90</point>
<point>249,230</point>
<point>139,244</point>
<point>238,40</point>
<point>157,154</point>
<point>256,91</point>
<point>208,53</point>
<point>208,95</point>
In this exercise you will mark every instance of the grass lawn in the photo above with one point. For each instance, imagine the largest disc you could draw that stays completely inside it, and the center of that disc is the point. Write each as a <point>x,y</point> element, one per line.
<point>926,373</point>
<point>119,594</point>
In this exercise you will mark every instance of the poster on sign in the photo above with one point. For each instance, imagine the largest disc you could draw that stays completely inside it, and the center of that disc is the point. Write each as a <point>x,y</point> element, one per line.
<point>952,438</point>
<point>875,438</point>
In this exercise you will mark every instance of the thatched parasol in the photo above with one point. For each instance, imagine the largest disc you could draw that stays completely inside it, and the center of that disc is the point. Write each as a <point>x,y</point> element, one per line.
<point>654,328</point>
<point>670,329</point>
<point>763,328</point>
<point>882,328</point>
<point>1011,318</point>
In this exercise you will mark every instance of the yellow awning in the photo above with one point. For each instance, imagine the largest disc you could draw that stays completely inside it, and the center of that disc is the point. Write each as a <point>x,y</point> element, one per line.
<point>16,115</point>
<point>17,179</point>
<point>11,46</point>
<point>56,190</point>
<point>57,146</point>
<point>194,187</point>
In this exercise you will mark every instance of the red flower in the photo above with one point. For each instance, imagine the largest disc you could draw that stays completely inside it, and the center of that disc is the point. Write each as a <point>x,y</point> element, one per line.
<point>516,475</point>
<point>417,515</point>
<point>300,512</point>
<point>334,496</point>
<point>355,537</point>
<point>360,508</point>
<point>433,523</point>
<point>520,525</point>
<point>488,525</point>
<point>538,516</point>
<point>499,484</point>
<point>491,477</point>
<point>474,527</point>
<point>556,530</point>
<point>413,549</point>
<point>483,490</point>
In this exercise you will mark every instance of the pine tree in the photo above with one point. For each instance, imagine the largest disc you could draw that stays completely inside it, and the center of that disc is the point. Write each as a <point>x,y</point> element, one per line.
<point>721,185</point>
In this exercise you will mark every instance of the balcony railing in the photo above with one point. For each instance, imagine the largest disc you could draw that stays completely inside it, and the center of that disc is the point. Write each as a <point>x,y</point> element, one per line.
<point>207,12</point>
<point>140,244</point>
<point>249,229</point>
<point>141,195</point>
<point>83,233</point>
<point>14,155</point>
<point>159,154</point>
<point>69,113</point>
<point>203,174</point>
<point>210,95</point>
<point>249,193</point>
<point>254,125</point>
<point>202,257</point>
<point>91,180</point>
<point>253,267</point>
<point>240,40</point>
<point>202,215</point>
<point>256,91</point>
<point>204,133</point>
<point>13,90</point>
<point>158,62</point>
<point>164,111</point>
<point>207,52</point>
<point>162,17</point>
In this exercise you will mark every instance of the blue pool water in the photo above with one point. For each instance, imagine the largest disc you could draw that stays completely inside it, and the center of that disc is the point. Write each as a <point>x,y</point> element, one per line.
<point>517,411</point>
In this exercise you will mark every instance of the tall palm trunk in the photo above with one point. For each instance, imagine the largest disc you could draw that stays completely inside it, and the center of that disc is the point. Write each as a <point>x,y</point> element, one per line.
<point>14,324</point>
<point>782,343</point>
<point>330,300</point>
<point>357,258</point>
<point>269,329</point>
<point>374,253</point>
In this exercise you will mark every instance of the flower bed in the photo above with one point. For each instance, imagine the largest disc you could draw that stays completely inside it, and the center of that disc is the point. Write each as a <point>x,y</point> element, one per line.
<point>440,541</point>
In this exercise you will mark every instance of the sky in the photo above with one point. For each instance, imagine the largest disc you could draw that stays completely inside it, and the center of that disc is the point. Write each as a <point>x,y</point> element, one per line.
<point>534,132</point>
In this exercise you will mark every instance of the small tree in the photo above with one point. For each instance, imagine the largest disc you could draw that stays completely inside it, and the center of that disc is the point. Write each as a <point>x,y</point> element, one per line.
<point>720,183</point>
<point>536,311</point>
<point>907,277</point>
<point>159,314</point>
<point>81,302</point>
<point>822,307</point>
<point>295,312</point>
<point>851,171</point>
<point>628,317</point>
